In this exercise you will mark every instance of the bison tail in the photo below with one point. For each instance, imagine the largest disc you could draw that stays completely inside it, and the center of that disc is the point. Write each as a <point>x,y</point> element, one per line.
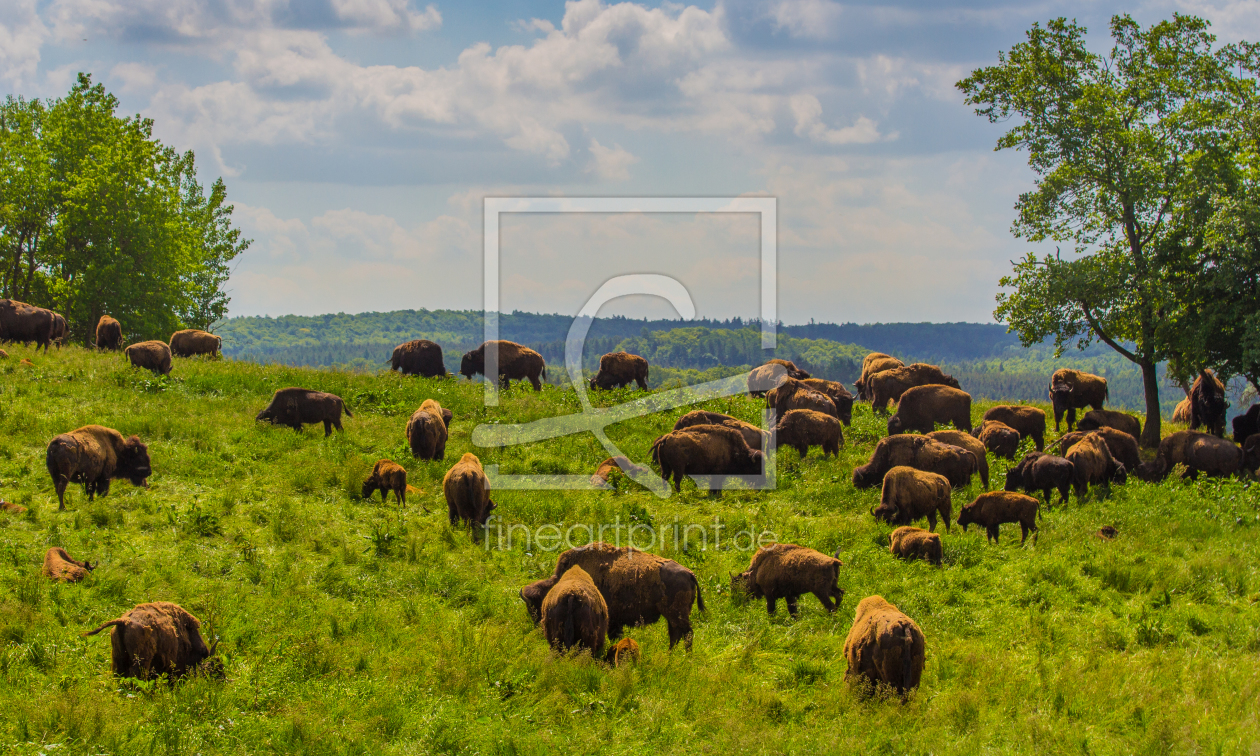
<point>111,623</point>
<point>346,407</point>
<point>699,595</point>
<point>569,630</point>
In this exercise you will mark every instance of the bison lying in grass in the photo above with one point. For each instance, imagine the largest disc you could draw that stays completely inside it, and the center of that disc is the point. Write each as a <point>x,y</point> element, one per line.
<point>159,638</point>
<point>94,455</point>
<point>911,494</point>
<point>1029,421</point>
<point>296,407</point>
<point>574,613</point>
<point>1200,453</point>
<point>909,542</point>
<point>884,648</point>
<point>921,453</point>
<point>58,565</point>
<point>996,507</point>
<point>785,571</point>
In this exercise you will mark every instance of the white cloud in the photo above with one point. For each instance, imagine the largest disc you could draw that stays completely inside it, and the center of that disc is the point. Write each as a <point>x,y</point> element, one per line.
<point>386,15</point>
<point>22,34</point>
<point>814,19</point>
<point>808,112</point>
<point>611,163</point>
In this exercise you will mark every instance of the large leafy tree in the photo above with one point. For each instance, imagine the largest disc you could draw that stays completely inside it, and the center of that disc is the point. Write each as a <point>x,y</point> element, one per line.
<point>1129,150</point>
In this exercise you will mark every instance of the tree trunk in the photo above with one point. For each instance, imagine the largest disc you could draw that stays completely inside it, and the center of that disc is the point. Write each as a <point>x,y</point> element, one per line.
<point>1150,382</point>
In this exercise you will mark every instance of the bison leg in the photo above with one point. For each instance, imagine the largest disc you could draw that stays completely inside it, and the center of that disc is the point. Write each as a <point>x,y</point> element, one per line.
<point>932,521</point>
<point>642,383</point>
<point>826,602</point>
<point>770,604</point>
<point>1039,440</point>
<point>1063,494</point>
<point>327,428</point>
<point>384,495</point>
<point>992,533</point>
<point>793,609</point>
<point>1071,419</point>
<point>1058,415</point>
<point>401,495</point>
<point>802,449</point>
<point>61,483</point>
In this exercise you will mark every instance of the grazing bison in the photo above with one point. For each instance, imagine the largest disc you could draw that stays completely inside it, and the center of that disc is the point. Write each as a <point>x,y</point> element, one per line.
<point>574,613</point>
<point>59,329</point>
<point>1092,464</point>
<point>426,431</point>
<point>996,507</point>
<point>837,393</point>
<point>387,476</point>
<point>1039,471</point>
<point>875,362</point>
<point>159,638</point>
<point>26,323</point>
<point>884,648</point>
<point>418,357</point>
<point>1207,403</point>
<point>888,385</point>
<point>763,378</point>
<point>296,407</point>
<point>1071,390</point>
<point>1181,413</point>
<point>965,440</point>
<point>1247,424</point>
<point>713,450</point>
<point>639,588</point>
<point>94,455</point>
<point>613,466</point>
<point>909,494</point>
<point>999,438</point>
<point>921,453</point>
<point>150,355</point>
<point>58,565</point>
<point>1029,421</point>
<point>108,333</point>
<point>191,342</point>
<point>618,369</point>
<point>516,363</point>
<point>909,542</point>
<point>1122,446</point>
<point>1251,453</point>
<point>467,491</point>
<point>624,649</point>
<point>753,436</point>
<point>922,407</point>
<point>792,394</point>
<point>1199,452</point>
<point>785,571</point>
<point>802,428</point>
<point>1121,421</point>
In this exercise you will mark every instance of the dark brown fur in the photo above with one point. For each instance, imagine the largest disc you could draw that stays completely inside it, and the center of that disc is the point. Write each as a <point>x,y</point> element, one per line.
<point>999,438</point>
<point>713,450</point>
<point>753,436</point>
<point>387,476</point>
<point>155,639</point>
<point>418,357</point>
<point>875,362</point>
<point>785,571</point>
<point>516,363</point>
<point>191,342</point>
<point>426,431</point>
<point>965,440</point>
<point>1207,403</point>
<point>837,393</point>
<point>1247,424</point>
<point>1071,390</point>
<point>922,453</point>
<point>94,455</point>
<point>909,494</point>
<point>1122,446</point>
<point>1251,453</point>
<point>1199,452</point>
<point>888,385</point>
<point>467,491</point>
<point>996,507</point>
<point>26,323</point>
<point>1092,464</point>
<point>909,542</point>
<point>792,394</point>
<point>296,407</point>
<point>574,613</point>
<point>108,333</point>
<point>1121,421</point>
<point>58,565</point>
<point>1039,471</point>
<point>922,407</point>
<point>59,329</point>
<point>1029,421</point>
<point>884,647</point>
<point>618,369</point>
<point>802,428</point>
<point>150,355</point>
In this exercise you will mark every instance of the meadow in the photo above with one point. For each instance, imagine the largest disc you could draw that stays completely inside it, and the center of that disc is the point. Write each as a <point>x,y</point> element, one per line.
<point>351,626</point>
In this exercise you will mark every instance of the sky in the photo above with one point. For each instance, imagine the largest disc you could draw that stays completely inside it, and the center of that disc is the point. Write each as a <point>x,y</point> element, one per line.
<point>358,139</point>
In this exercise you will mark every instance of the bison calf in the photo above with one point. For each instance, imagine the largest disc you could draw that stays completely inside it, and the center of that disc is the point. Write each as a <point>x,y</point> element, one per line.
<point>623,650</point>
<point>296,407</point>
<point>387,476</point>
<point>467,491</point>
<point>94,455</point>
<point>802,428</point>
<point>996,507</point>
<point>999,438</point>
<point>613,466</point>
<point>884,647</point>
<point>58,565</point>
<point>785,571</point>
<point>915,543</point>
<point>159,638</point>
<point>910,494</point>
<point>574,613</point>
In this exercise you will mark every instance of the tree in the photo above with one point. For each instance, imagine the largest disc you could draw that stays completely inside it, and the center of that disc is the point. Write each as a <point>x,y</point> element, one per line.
<point>1129,151</point>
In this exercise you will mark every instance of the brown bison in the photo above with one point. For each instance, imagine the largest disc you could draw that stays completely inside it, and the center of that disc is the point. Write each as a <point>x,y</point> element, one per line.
<point>875,362</point>
<point>1199,452</point>
<point>94,455</point>
<point>1039,471</point>
<point>618,369</point>
<point>418,357</point>
<point>26,323</point>
<point>467,491</point>
<point>1207,403</point>
<point>908,542</point>
<point>753,436</point>
<point>4,355</point>
<point>884,648</point>
<point>792,370</point>
<point>516,363</point>
<point>921,453</point>
<point>150,355</point>
<point>1251,453</point>
<point>999,438</point>
<point>426,431</point>
<point>625,649</point>
<point>1071,390</point>
<point>59,329</point>
<point>1121,421</point>
<point>1122,446</point>
<point>1029,421</point>
<point>837,393</point>
<point>1247,424</point>
<point>713,450</point>
<point>574,613</point>
<point>763,378</point>
<point>190,342</point>
<point>614,466</point>
<point>296,407</point>
<point>965,440</point>
<point>1181,413</point>
<point>639,588</point>
<point>109,333</point>
<point>159,638</point>
<point>996,507</point>
<point>802,428</point>
<point>888,385</point>
<point>792,394</point>
<point>785,571</point>
<point>1092,464</point>
<point>58,565</point>
<point>387,476</point>
<point>922,407</point>
<point>909,494</point>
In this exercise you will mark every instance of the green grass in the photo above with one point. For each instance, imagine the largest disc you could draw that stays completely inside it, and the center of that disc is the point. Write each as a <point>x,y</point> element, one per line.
<point>348,626</point>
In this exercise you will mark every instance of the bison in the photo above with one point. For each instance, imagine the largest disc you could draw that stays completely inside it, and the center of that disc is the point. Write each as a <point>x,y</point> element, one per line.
<point>618,369</point>
<point>1198,452</point>
<point>875,362</point>
<point>753,436</point>
<point>58,565</point>
<point>1207,403</point>
<point>713,450</point>
<point>792,370</point>
<point>1251,453</point>
<point>191,342</point>
<point>908,542</point>
<point>574,613</point>
<point>59,329</point>
<point>1071,390</point>
<point>763,378</point>
<point>639,588</point>
<point>109,333</point>
<point>1122,446</point>
<point>612,466</point>
<point>996,507</point>
<point>921,453</point>
<point>1121,421</point>
<point>792,394</point>
<point>909,494</point>
<point>21,322</point>
<point>884,647</point>
<point>999,438</point>
<point>837,393</point>
<point>296,407</point>
<point>802,428</point>
<point>516,363</point>
<point>965,440</point>
<point>94,455</point>
<point>150,355</point>
<point>625,649</point>
<point>1181,413</point>
<point>158,638</point>
<point>387,476</point>
<point>1247,424</point>
<point>922,407</point>
<point>426,431</point>
<point>418,357</point>
<point>785,571</point>
<point>889,385</point>
<point>1029,421</point>
<point>1039,471</point>
<point>1092,463</point>
<point>467,491</point>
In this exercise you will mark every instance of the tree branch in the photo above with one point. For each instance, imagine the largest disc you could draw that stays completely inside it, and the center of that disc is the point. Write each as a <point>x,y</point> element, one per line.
<point>1093,324</point>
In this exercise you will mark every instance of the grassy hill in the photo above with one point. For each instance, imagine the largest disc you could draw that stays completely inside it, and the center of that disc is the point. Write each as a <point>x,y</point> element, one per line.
<point>348,626</point>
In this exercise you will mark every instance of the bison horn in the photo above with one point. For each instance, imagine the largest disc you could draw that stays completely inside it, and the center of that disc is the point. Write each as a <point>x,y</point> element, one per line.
<point>872,511</point>
<point>213,646</point>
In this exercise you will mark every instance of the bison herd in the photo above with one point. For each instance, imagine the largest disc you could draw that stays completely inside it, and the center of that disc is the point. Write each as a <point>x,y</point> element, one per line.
<point>598,590</point>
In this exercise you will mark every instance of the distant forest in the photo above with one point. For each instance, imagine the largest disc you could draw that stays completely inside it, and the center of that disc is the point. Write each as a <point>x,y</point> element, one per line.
<point>989,362</point>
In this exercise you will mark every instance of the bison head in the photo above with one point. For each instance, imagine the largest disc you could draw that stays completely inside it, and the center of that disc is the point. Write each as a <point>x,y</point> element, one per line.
<point>797,373</point>
<point>133,462</point>
<point>1014,478</point>
<point>533,595</point>
<point>268,414</point>
<point>369,487</point>
<point>864,477</point>
<point>743,585</point>
<point>952,382</point>
<point>1151,472</point>
<point>1119,475</point>
<point>886,512</point>
<point>894,425</point>
<point>965,518</point>
<point>473,362</point>
<point>1251,453</point>
<point>601,381</point>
